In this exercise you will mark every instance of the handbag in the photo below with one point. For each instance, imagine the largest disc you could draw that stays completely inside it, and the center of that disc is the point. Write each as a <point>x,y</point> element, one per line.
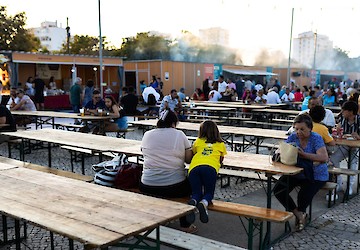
<point>286,154</point>
<point>106,171</point>
<point>128,176</point>
<point>308,167</point>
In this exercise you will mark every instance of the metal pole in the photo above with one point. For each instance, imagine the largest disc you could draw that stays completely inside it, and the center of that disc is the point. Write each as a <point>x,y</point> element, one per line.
<point>67,36</point>
<point>291,29</point>
<point>315,45</point>
<point>100,52</point>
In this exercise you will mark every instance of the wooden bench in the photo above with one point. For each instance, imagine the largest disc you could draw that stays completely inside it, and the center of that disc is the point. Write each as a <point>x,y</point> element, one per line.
<point>69,126</point>
<point>239,144</point>
<point>121,133</point>
<point>78,155</point>
<point>267,124</point>
<point>256,216</point>
<point>49,170</point>
<point>287,121</point>
<point>182,240</point>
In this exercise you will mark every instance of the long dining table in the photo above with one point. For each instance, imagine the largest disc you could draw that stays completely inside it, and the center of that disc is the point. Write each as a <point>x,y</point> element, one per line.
<point>48,117</point>
<point>94,143</point>
<point>254,136</point>
<point>93,215</point>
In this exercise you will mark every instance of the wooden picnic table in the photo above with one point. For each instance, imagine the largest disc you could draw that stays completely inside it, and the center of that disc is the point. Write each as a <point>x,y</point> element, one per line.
<point>95,143</point>
<point>94,215</point>
<point>48,117</point>
<point>354,144</point>
<point>254,136</point>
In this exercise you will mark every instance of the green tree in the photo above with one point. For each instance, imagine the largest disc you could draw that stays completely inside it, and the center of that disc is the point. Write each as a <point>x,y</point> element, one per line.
<point>13,35</point>
<point>144,46</point>
<point>83,45</point>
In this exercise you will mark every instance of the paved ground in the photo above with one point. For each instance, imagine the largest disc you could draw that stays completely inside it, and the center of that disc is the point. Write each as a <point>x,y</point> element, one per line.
<point>334,228</point>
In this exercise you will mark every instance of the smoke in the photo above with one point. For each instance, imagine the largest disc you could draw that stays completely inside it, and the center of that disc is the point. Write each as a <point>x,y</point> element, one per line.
<point>274,58</point>
<point>190,48</point>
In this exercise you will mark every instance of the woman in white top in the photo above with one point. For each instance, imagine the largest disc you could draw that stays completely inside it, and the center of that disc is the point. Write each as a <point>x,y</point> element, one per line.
<point>165,150</point>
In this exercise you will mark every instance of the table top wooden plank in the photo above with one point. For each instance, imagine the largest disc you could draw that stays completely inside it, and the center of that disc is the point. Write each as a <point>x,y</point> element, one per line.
<point>259,132</point>
<point>51,202</point>
<point>76,139</point>
<point>257,162</point>
<point>58,115</point>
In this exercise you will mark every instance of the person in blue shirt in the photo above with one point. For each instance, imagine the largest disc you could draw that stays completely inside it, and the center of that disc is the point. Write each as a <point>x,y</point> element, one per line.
<point>329,98</point>
<point>181,94</point>
<point>311,148</point>
<point>96,103</point>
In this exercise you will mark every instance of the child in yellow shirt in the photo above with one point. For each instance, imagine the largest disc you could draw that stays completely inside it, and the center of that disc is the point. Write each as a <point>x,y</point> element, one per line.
<point>209,150</point>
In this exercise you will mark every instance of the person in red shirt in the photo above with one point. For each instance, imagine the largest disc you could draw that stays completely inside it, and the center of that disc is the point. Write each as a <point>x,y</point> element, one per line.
<point>299,97</point>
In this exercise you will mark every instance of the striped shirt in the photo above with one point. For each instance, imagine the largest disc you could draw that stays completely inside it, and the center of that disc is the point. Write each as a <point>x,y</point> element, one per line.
<point>350,128</point>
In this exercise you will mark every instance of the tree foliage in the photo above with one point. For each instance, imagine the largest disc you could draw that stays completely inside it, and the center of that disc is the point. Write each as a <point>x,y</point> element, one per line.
<point>13,35</point>
<point>83,45</point>
<point>144,46</point>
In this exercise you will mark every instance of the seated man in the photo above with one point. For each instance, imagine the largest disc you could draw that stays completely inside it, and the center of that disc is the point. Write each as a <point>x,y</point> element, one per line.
<point>329,119</point>
<point>13,97</point>
<point>350,123</point>
<point>92,108</point>
<point>171,102</point>
<point>23,103</point>
<point>96,103</point>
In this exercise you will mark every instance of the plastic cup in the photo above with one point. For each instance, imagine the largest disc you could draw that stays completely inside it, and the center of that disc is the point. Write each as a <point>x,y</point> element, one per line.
<point>82,112</point>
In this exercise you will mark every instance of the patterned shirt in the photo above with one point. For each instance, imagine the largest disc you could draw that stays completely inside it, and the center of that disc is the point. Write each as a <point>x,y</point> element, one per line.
<point>315,142</point>
<point>350,128</point>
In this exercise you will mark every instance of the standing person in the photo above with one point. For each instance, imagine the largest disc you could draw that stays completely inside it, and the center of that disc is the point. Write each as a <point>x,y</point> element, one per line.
<point>39,87</point>
<point>29,90</point>
<point>209,151</point>
<point>165,150</point>
<point>206,89</point>
<point>222,85</point>
<point>311,148</point>
<point>52,83</point>
<point>87,93</point>
<point>75,97</point>
<point>142,86</point>
<point>129,102</point>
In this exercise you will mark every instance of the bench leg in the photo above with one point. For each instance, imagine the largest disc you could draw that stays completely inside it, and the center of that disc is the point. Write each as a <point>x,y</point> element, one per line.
<point>52,246</point>
<point>17,234</point>
<point>4,224</point>
<point>254,227</point>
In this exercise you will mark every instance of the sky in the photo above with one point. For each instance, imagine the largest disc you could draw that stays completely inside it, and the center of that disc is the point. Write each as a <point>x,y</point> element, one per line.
<point>253,24</point>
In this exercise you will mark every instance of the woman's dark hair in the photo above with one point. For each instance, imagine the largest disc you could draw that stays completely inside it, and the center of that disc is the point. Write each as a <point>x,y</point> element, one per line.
<point>113,102</point>
<point>90,83</point>
<point>209,130</point>
<point>29,78</point>
<point>350,106</point>
<point>51,79</point>
<point>199,91</point>
<point>304,118</point>
<point>311,93</point>
<point>112,99</point>
<point>317,113</point>
<point>166,119</point>
<point>306,88</point>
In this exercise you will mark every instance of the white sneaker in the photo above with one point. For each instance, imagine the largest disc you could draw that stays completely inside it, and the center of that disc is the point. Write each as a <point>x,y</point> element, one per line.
<point>332,197</point>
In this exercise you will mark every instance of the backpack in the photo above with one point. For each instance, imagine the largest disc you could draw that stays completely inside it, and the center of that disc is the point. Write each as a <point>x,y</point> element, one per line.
<point>151,99</point>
